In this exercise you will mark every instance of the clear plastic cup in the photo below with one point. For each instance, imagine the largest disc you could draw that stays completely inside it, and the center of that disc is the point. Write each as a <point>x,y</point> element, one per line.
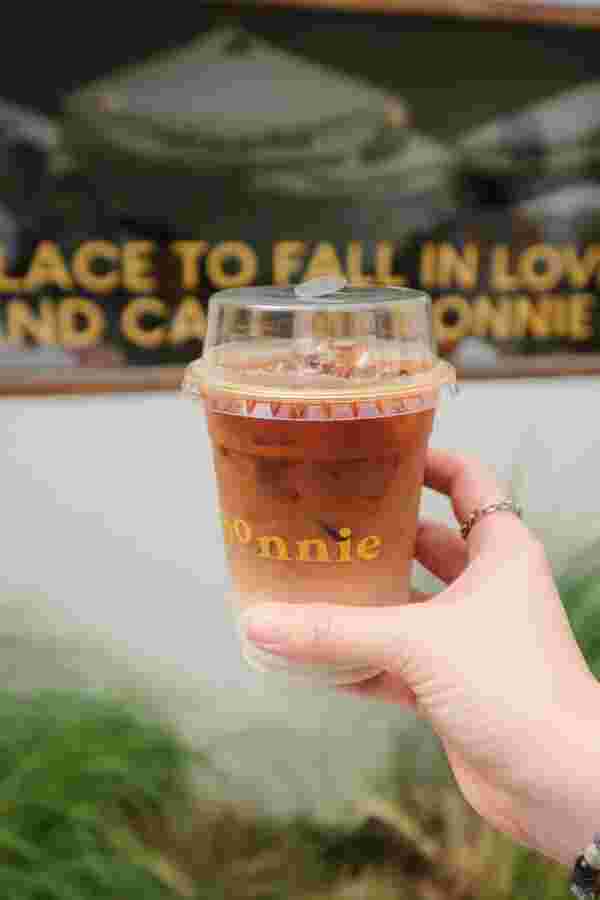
<point>320,401</point>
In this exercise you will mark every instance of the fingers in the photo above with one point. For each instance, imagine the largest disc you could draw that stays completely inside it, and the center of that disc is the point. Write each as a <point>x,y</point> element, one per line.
<point>467,482</point>
<point>470,485</point>
<point>441,550</point>
<point>383,636</point>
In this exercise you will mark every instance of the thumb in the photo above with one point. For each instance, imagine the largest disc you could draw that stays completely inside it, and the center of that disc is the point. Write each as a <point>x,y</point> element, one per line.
<point>385,636</point>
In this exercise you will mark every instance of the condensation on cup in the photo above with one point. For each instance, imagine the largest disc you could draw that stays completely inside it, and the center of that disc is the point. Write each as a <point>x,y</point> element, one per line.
<point>320,401</point>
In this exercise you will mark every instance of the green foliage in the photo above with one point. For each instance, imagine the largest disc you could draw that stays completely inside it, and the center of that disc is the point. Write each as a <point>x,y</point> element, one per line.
<point>581,597</point>
<point>95,802</point>
<point>73,770</point>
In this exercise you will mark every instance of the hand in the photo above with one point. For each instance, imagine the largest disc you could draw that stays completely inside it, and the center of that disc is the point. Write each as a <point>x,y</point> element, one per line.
<point>490,661</point>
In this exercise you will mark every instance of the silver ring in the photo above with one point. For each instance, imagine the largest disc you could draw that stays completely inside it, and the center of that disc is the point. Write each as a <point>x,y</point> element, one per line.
<point>501,506</point>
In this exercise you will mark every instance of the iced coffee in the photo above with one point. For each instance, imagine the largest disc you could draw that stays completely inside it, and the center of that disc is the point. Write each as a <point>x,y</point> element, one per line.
<point>319,410</point>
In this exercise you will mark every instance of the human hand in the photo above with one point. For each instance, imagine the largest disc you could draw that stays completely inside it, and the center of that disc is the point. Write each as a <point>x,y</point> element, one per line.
<point>490,661</point>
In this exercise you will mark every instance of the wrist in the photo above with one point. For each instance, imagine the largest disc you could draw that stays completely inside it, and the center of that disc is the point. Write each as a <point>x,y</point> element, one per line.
<point>559,801</point>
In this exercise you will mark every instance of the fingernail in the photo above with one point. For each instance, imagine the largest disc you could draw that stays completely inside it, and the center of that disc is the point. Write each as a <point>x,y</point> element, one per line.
<point>260,627</point>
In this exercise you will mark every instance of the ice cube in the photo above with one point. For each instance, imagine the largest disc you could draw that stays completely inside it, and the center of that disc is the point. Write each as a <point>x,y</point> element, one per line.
<point>313,356</point>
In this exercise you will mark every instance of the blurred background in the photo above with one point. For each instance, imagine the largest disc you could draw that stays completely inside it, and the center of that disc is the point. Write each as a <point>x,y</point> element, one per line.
<point>142,166</point>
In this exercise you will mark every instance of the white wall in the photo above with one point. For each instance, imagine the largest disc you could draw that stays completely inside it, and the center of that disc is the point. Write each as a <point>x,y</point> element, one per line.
<point>111,541</point>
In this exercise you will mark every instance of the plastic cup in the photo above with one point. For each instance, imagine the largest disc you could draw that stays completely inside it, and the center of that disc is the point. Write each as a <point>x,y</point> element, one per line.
<point>320,401</point>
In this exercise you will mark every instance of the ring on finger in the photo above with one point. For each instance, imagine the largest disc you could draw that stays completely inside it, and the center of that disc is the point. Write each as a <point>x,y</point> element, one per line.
<point>501,506</point>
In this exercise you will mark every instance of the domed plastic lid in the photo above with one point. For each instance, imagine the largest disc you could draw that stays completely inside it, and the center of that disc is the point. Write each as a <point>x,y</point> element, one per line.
<point>319,350</point>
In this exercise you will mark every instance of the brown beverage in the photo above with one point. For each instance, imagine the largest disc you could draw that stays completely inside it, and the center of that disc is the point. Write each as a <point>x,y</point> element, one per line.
<point>320,510</point>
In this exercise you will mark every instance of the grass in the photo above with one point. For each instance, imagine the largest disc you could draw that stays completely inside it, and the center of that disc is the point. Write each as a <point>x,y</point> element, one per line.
<point>96,802</point>
<point>73,768</point>
<point>581,597</point>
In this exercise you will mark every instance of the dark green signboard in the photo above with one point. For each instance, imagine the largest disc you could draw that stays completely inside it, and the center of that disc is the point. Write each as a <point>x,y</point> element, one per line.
<point>258,146</point>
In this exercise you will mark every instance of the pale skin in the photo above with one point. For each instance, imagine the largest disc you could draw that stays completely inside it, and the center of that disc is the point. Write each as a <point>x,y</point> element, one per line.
<point>490,661</point>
